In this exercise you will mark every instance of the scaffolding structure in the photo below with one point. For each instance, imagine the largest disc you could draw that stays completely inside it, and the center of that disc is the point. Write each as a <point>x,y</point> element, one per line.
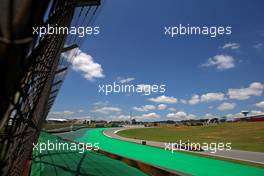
<point>32,70</point>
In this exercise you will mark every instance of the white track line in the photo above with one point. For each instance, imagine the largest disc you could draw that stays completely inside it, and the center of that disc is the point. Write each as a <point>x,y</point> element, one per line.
<point>240,159</point>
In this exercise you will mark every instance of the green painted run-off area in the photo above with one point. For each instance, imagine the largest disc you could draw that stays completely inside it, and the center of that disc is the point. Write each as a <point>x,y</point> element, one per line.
<point>186,163</point>
<point>89,163</point>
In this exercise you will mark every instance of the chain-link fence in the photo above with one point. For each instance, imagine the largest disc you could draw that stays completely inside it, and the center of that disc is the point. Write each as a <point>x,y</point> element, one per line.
<point>32,70</point>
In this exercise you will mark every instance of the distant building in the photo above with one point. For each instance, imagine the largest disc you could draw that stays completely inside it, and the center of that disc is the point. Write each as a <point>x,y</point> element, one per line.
<point>253,118</point>
<point>245,113</point>
<point>99,123</point>
<point>133,121</point>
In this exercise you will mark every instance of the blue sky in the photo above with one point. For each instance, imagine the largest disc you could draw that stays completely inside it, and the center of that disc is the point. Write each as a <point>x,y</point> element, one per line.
<point>207,76</point>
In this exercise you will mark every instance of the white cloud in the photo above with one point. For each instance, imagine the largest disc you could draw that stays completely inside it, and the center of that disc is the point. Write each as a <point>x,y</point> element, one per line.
<point>183,101</point>
<point>106,110</point>
<point>260,104</point>
<point>258,46</point>
<point>210,116</point>
<point>84,63</point>
<point>221,62</point>
<point>63,112</point>
<point>230,116</point>
<point>255,112</point>
<point>226,106</point>
<point>125,80</point>
<point>148,116</point>
<point>152,115</point>
<point>57,119</point>
<point>180,116</point>
<point>208,97</point>
<point>82,117</point>
<point>164,99</point>
<point>145,108</point>
<point>212,97</point>
<point>234,116</point>
<point>191,116</point>
<point>254,89</point>
<point>195,99</point>
<point>162,106</point>
<point>101,103</point>
<point>231,46</point>
<point>120,117</point>
<point>68,112</point>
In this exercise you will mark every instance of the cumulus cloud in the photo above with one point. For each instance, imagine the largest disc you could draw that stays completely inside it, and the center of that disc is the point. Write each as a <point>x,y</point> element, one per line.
<point>85,64</point>
<point>195,99</point>
<point>148,116</point>
<point>144,108</point>
<point>63,112</point>
<point>212,97</point>
<point>210,116</point>
<point>191,116</point>
<point>183,101</point>
<point>260,104</point>
<point>180,115</point>
<point>120,117</point>
<point>151,115</point>
<point>232,46</point>
<point>221,62</point>
<point>125,80</point>
<point>164,99</point>
<point>254,89</point>
<point>233,116</point>
<point>162,106</point>
<point>208,97</point>
<point>226,106</point>
<point>106,110</point>
<point>82,117</point>
<point>255,112</point>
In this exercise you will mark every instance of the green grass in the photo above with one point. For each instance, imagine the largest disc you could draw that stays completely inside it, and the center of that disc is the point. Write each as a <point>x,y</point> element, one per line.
<point>243,136</point>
